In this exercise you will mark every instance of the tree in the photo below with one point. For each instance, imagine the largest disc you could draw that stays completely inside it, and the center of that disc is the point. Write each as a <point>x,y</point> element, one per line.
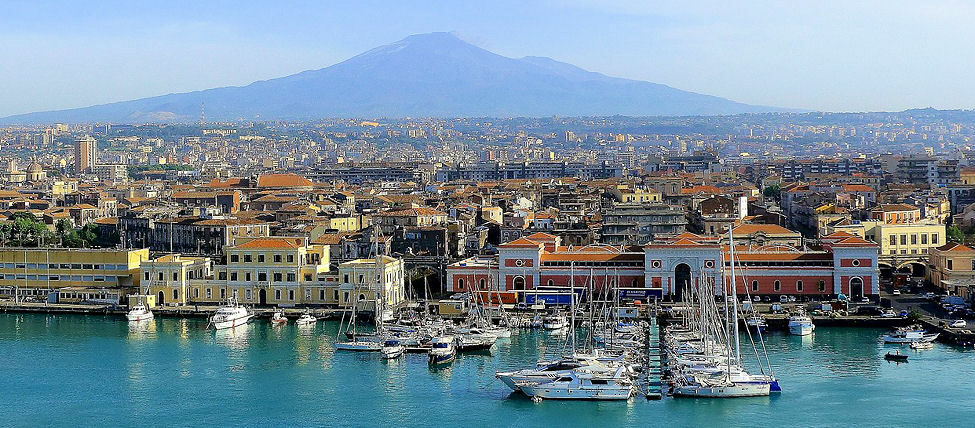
<point>772,191</point>
<point>955,234</point>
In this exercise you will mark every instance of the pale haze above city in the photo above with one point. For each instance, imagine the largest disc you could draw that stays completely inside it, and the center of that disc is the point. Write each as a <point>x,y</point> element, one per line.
<point>542,213</point>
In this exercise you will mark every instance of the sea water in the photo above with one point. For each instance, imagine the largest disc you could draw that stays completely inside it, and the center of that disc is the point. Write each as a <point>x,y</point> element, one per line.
<point>103,371</point>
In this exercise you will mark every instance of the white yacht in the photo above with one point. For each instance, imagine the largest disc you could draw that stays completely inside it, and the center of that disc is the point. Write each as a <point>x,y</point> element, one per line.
<point>474,339</point>
<point>910,335</point>
<point>555,322</point>
<point>230,315</point>
<point>574,385</point>
<point>359,346</point>
<point>442,351</point>
<point>392,349</point>
<point>801,325</point>
<point>139,313</point>
<point>306,319</point>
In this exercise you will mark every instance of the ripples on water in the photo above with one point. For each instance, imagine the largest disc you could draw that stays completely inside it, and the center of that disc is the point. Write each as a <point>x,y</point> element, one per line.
<point>66,366</point>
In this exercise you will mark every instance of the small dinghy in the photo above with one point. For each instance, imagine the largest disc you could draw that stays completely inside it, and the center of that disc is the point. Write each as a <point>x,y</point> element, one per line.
<point>892,356</point>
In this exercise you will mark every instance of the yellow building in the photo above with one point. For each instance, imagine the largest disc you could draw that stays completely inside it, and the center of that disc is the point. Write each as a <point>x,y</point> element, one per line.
<point>281,271</point>
<point>625,194</point>
<point>361,280</point>
<point>168,277</point>
<point>952,268</point>
<point>911,239</point>
<point>36,273</point>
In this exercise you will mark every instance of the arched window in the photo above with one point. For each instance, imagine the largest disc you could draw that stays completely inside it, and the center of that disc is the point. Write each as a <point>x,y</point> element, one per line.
<point>799,286</point>
<point>754,286</point>
<point>777,285</point>
<point>634,283</point>
<point>480,283</point>
<point>550,283</point>
<point>460,284</point>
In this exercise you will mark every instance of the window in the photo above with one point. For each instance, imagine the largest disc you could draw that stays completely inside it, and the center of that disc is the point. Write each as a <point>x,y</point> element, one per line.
<point>913,239</point>
<point>335,294</point>
<point>903,239</point>
<point>321,294</point>
<point>345,278</point>
<point>754,285</point>
<point>480,283</point>
<point>307,277</point>
<point>196,293</point>
<point>924,238</point>
<point>949,264</point>
<point>893,240</point>
<point>247,276</point>
<point>934,238</point>
<point>234,258</point>
<point>777,285</point>
<point>460,284</point>
<point>247,258</point>
<point>260,258</point>
<point>291,277</point>
<point>175,276</point>
<point>550,283</point>
<point>277,258</point>
<point>307,294</point>
<point>247,293</point>
<point>175,294</point>
<point>209,293</point>
<point>262,276</point>
<point>222,275</point>
<point>799,286</point>
<point>973,264</point>
<point>277,294</point>
<point>233,276</point>
<point>147,276</point>
<point>291,258</point>
<point>223,293</point>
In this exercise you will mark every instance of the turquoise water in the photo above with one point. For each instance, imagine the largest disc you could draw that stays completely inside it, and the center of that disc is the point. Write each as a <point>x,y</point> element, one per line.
<point>95,370</point>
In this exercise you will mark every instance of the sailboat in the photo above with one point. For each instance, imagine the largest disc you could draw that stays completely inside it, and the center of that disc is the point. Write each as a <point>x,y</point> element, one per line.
<point>715,371</point>
<point>357,344</point>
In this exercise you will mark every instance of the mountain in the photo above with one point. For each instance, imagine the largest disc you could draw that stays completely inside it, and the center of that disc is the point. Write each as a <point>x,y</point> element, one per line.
<point>423,75</point>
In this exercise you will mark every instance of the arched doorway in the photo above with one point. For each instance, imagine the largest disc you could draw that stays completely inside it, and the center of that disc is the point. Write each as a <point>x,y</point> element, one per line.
<point>682,280</point>
<point>856,289</point>
<point>262,297</point>
<point>161,298</point>
<point>914,269</point>
<point>518,283</point>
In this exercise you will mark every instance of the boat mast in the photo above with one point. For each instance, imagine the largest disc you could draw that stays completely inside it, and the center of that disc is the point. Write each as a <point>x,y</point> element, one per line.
<point>734,292</point>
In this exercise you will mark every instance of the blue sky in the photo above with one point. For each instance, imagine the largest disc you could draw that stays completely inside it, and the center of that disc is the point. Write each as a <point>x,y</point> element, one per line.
<point>823,55</point>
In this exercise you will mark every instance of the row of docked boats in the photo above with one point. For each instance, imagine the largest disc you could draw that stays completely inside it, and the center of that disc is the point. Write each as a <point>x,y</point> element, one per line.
<point>703,345</point>
<point>800,324</point>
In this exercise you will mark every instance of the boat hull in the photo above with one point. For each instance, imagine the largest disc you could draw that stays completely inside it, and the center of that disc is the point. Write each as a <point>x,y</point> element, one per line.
<point>730,391</point>
<point>577,393</point>
<point>359,346</point>
<point>231,323</point>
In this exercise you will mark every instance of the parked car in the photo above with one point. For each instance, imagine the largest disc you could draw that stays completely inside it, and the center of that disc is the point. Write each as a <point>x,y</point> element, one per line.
<point>889,314</point>
<point>783,299</point>
<point>897,292</point>
<point>869,311</point>
<point>958,324</point>
<point>904,314</point>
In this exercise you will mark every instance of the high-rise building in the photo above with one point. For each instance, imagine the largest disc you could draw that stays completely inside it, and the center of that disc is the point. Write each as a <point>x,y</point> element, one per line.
<point>85,156</point>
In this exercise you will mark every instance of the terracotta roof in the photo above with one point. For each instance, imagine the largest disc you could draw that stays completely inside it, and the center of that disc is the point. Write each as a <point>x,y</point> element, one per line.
<point>858,188</point>
<point>955,247</point>
<point>521,243</point>
<point>272,243</point>
<point>411,212</point>
<point>541,236</point>
<point>283,180</point>
<point>895,207</point>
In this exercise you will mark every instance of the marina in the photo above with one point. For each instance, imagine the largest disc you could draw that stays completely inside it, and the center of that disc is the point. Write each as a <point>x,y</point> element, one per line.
<point>105,368</point>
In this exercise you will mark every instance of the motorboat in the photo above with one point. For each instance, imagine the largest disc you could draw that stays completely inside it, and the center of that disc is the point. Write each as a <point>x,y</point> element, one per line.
<point>574,385</point>
<point>757,323</point>
<point>474,339</point>
<point>392,349</point>
<point>555,322</point>
<point>138,313</point>
<point>306,319</point>
<point>919,346</point>
<point>910,335</point>
<point>442,351</point>
<point>230,315</point>
<point>801,325</point>
<point>895,356</point>
<point>278,318</point>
